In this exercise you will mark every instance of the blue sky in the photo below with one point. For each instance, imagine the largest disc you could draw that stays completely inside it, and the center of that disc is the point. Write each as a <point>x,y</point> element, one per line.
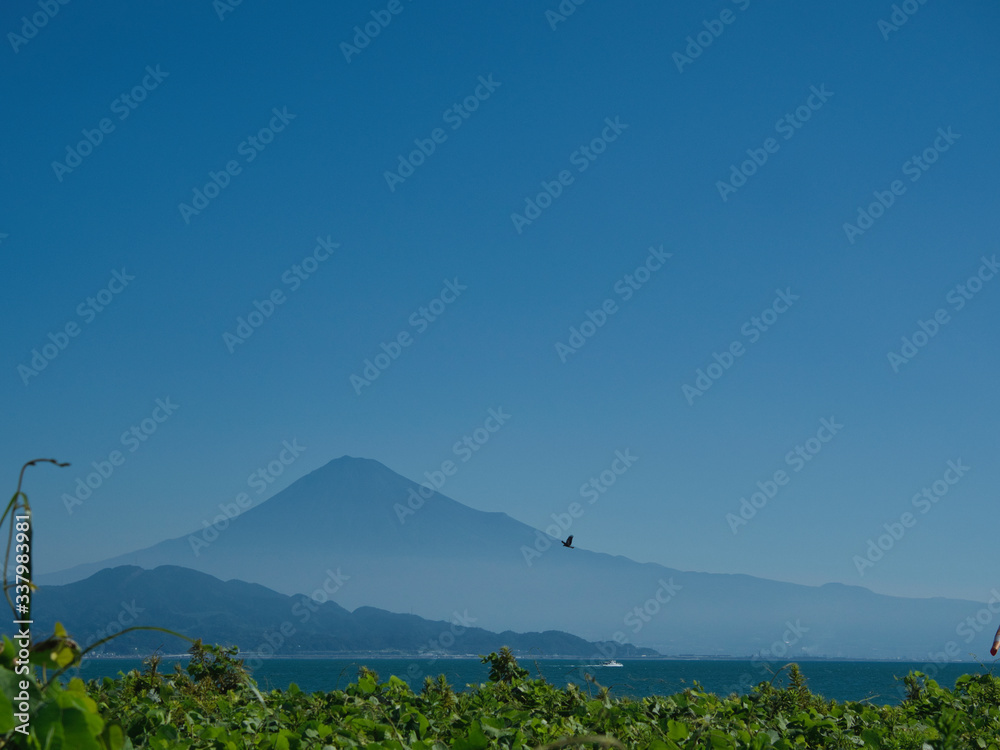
<point>863,101</point>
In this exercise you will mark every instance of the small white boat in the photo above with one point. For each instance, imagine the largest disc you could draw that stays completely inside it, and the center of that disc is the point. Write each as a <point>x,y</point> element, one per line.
<point>611,663</point>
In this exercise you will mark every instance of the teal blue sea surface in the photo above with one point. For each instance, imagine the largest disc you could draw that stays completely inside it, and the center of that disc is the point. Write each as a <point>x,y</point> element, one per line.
<point>880,682</point>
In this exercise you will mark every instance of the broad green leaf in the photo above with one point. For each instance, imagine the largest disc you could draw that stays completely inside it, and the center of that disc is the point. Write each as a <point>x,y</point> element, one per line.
<point>10,688</point>
<point>677,730</point>
<point>113,737</point>
<point>871,738</point>
<point>475,740</point>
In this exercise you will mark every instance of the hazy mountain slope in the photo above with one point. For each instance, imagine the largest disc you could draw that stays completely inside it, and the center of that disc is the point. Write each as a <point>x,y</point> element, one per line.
<point>256,618</point>
<point>338,527</point>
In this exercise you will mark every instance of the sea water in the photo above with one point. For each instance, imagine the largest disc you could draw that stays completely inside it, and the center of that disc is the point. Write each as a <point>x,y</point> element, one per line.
<point>878,682</point>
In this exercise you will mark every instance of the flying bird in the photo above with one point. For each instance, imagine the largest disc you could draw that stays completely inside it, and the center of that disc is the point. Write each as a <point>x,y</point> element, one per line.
<point>569,542</point>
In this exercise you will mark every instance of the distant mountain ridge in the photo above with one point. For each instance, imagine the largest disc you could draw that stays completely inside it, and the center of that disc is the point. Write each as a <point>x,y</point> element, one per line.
<point>260,620</point>
<point>341,519</point>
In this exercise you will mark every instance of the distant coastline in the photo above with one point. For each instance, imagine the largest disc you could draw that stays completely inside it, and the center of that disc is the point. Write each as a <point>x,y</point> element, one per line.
<point>333,656</point>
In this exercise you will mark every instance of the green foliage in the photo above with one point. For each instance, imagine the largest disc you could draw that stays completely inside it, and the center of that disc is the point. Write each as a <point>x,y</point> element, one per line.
<point>175,711</point>
<point>216,665</point>
<point>36,710</point>
<point>194,709</point>
<point>503,666</point>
